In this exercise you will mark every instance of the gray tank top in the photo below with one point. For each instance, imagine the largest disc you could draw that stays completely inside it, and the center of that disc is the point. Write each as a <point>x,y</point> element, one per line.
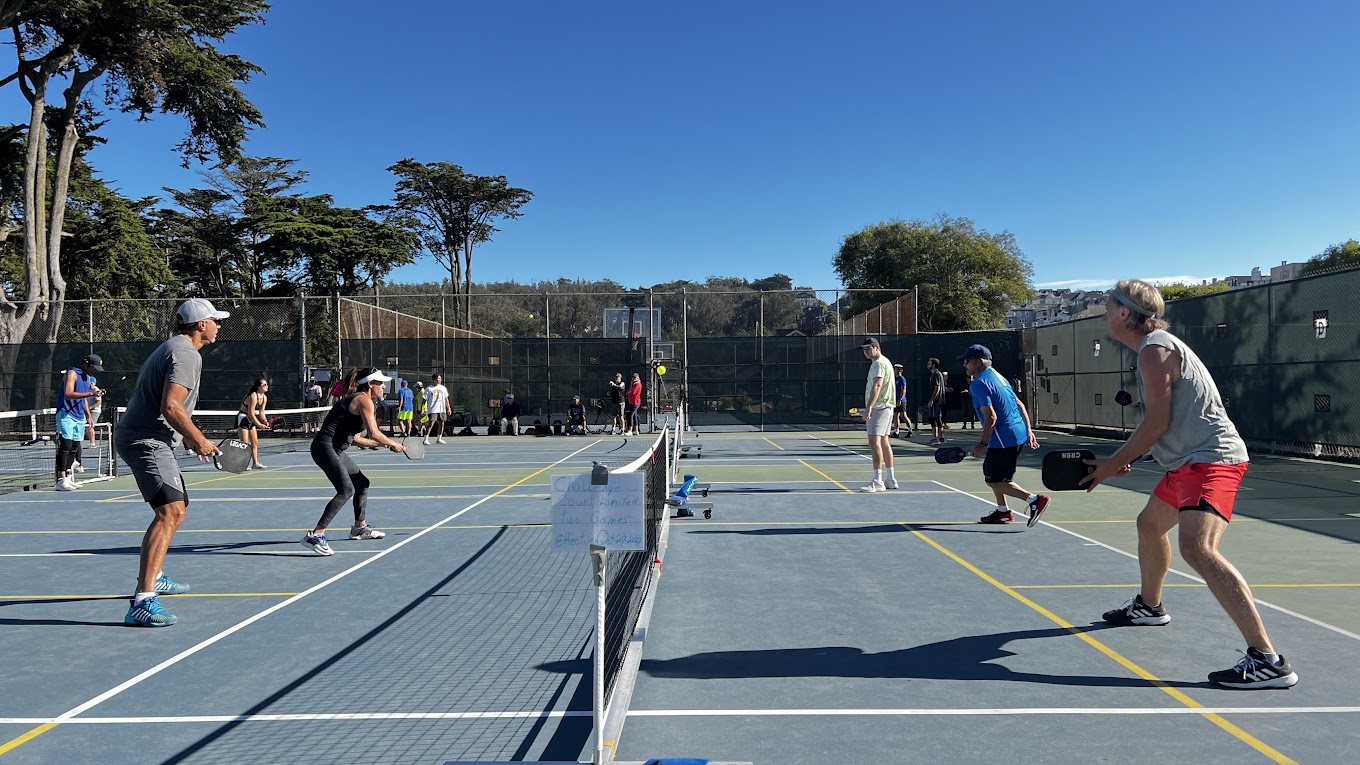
<point>1200,430</point>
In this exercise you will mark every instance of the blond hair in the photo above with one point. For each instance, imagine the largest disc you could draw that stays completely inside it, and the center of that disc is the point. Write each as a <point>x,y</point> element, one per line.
<point>1144,296</point>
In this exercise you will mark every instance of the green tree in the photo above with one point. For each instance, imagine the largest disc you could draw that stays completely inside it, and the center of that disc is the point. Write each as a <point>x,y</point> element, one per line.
<point>153,56</point>
<point>333,250</point>
<point>1343,255</point>
<point>453,211</point>
<point>966,278</point>
<point>201,239</point>
<point>1178,291</point>
<point>251,185</point>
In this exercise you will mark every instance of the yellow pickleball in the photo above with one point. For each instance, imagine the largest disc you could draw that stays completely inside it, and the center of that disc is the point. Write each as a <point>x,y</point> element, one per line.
<point>661,370</point>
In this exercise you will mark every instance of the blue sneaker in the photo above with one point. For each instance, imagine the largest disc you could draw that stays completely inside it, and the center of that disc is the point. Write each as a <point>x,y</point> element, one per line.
<point>167,586</point>
<point>317,543</point>
<point>148,613</point>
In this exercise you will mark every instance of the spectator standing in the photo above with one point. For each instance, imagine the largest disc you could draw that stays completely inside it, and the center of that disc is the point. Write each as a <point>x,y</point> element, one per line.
<point>437,402</point>
<point>406,408</point>
<point>633,399</point>
<point>616,407</point>
<point>900,409</point>
<point>935,402</point>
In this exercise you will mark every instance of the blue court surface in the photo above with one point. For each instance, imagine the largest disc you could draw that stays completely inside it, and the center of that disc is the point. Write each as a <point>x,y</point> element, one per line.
<point>806,622</point>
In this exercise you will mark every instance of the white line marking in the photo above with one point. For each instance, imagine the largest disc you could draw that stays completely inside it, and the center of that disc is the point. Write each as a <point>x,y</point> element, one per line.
<point>43,555</point>
<point>519,715</point>
<point>994,711</point>
<point>173,660</point>
<point>1191,577</point>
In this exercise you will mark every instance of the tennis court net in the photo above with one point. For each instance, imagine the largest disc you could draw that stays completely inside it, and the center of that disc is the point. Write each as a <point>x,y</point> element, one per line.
<point>28,451</point>
<point>629,574</point>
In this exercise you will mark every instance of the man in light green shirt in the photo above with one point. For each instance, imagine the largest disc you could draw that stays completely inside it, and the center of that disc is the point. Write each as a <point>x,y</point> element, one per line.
<point>879,399</point>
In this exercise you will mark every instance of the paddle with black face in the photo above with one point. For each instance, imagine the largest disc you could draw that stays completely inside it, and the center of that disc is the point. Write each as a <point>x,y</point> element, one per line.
<point>1123,398</point>
<point>234,457</point>
<point>1064,469</point>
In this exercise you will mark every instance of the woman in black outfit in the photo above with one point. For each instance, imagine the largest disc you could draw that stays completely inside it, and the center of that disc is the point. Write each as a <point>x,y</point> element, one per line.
<point>351,415</point>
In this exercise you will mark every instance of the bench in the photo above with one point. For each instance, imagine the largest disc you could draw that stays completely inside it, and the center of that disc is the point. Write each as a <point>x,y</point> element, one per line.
<point>696,446</point>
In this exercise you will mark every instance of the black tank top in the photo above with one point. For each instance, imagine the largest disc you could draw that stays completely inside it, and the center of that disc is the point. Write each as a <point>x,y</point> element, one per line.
<point>341,425</point>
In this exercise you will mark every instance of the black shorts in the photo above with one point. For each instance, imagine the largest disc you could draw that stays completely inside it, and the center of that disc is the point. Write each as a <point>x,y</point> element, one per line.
<point>999,464</point>
<point>900,409</point>
<point>244,422</point>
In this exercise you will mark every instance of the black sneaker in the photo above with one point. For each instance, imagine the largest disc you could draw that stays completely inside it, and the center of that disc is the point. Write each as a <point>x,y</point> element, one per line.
<point>1136,613</point>
<point>997,516</point>
<point>1254,672</point>
<point>1036,509</point>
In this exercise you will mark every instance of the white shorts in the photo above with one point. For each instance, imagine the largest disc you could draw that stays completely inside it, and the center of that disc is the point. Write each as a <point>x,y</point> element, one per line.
<point>880,421</point>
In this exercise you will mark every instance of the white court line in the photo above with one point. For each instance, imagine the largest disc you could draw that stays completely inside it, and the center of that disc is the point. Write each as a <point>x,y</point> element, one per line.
<point>519,715</point>
<point>1191,577</point>
<point>67,716</point>
<point>44,555</point>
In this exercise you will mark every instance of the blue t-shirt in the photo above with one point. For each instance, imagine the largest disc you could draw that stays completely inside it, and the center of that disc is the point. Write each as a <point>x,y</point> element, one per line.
<point>991,389</point>
<point>74,407</point>
<point>407,399</point>
<point>901,388</point>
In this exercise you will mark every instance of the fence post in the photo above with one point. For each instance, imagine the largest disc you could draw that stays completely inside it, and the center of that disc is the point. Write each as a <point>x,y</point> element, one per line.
<point>339,333</point>
<point>91,311</point>
<point>760,356</point>
<point>302,338</point>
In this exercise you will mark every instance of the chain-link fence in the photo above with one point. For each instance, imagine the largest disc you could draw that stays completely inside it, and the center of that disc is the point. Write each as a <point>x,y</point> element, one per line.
<point>1286,358</point>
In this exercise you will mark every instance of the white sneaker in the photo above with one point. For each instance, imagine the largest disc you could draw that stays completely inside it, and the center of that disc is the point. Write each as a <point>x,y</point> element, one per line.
<point>890,483</point>
<point>427,442</point>
<point>78,467</point>
<point>440,440</point>
<point>873,486</point>
<point>65,484</point>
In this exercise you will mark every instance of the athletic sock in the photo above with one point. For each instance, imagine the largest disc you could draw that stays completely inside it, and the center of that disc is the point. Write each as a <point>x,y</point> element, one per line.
<point>1273,658</point>
<point>891,475</point>
<point>1002,509</point>
<point>1031,499</point>
<point>139,597</point>
<point>878,476</point>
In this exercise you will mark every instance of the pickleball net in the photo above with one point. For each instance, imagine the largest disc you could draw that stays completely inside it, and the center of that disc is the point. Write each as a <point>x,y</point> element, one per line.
<point>629,574</point>
<point>28,451</point>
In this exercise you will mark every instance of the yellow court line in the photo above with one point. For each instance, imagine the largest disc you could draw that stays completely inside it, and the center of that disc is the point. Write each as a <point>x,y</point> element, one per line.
<point>175,597</point>
<point>824,475</point>
<point>771,443</point>
<point>1174,693</point>
<point>1254,586</point>
<point>21,740</point>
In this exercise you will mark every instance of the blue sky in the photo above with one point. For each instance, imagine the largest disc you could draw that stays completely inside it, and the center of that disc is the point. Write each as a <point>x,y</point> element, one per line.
<point>687,140</point>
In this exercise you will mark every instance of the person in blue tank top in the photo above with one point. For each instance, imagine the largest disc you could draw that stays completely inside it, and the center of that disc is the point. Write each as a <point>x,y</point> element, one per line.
<point>1005,432</point>
<point>74,395</point>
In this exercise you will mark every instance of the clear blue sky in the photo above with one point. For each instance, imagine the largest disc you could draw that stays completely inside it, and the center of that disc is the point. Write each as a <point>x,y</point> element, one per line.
<point>687,140</point>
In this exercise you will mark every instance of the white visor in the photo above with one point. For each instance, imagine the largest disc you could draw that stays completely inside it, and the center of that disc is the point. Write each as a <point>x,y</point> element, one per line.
<point>373,377</point>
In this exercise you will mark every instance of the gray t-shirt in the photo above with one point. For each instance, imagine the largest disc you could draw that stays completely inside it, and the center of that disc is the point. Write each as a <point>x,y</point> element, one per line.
<point>1200,430</point>
<point>175,361</point>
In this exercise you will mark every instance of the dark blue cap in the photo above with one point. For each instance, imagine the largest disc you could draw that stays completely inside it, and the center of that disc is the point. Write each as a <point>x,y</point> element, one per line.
<point>976,352</point>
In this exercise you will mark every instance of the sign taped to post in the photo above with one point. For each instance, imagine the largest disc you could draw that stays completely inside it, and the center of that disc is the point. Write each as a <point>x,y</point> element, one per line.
<point>613,515</point>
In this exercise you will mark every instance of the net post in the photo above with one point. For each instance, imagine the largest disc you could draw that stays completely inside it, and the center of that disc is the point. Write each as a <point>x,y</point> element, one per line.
<point>598,558</point>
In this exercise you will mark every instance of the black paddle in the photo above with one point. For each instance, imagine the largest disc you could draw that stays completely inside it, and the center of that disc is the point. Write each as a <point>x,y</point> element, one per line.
<point>1064,469</point>
<point>235,456</point>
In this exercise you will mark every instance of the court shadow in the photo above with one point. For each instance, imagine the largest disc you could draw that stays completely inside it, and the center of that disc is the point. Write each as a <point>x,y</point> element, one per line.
<point>963,658</point>
<point>884,528</point>
<point>193,549</point>
<point>51,601</point>
<point>57,623</point>
<point>1018,527</point>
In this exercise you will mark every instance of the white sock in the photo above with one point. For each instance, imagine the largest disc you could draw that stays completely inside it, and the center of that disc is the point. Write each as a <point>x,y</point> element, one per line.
<point>1273,658</point>
<point>139,597</point>
<point>1031,499</point>
<point>878,476</point>
<point>1002,509</point>
<point>891,476</point>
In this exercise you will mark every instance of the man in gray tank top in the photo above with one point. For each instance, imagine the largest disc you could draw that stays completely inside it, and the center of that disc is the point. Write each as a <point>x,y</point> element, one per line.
<point>1187,430</point>
<point>158,418</point>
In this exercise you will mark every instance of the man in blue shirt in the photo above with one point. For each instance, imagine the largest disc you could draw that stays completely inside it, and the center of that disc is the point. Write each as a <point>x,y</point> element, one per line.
<point>76,391</point>
<point>900,409</point>
<point>406,408</point>
<point>1005,431</point>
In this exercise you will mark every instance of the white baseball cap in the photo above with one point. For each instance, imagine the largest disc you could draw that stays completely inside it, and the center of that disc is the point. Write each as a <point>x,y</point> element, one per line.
<point>374,376</point>
<point>195,310</point>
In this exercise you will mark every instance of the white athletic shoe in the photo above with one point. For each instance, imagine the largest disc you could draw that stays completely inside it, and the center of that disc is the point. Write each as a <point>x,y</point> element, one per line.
<point>427,441</point>
<point>440,440</point>
<point>890,483</point>
<point>872,487</point>
<point>66,484</point>
<point>77,467</point>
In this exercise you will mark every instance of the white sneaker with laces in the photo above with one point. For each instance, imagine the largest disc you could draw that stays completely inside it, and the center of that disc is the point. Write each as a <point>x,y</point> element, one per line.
<point>427,441</point>
<point>66,484</point>
<point>872,487</point>
<point>440,440</point>
<point>890,483</point>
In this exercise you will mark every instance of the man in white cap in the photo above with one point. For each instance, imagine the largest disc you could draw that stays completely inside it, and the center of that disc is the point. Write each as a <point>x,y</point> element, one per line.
<point>159,415</point>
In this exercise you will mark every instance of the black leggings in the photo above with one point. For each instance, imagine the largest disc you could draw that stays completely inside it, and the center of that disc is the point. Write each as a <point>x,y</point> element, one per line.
<point>348,480</point>
<point>68,452</point>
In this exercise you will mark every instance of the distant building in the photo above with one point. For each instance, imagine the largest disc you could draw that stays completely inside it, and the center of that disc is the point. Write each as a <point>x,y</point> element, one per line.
<point>1285,271</point>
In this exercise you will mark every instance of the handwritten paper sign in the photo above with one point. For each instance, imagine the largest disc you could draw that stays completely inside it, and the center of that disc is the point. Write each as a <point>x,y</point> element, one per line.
<point>613,515</point>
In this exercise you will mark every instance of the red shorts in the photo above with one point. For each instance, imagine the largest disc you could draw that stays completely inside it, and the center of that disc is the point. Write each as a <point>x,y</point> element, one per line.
<point>1211,482</point>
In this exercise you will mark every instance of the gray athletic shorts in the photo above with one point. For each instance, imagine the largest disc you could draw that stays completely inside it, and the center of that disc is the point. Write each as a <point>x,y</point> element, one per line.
<point>153,464</point>
<point>438,416</point>
<point>880,421</point>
